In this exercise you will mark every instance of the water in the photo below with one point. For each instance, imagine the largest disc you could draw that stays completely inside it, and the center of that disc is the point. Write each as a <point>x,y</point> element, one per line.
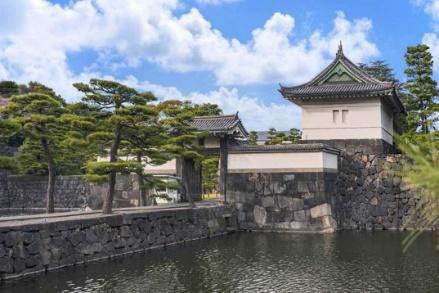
<point>259,262</point>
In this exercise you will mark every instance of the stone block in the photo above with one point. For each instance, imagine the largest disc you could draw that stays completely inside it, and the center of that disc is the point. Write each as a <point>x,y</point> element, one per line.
<point>267,201</point>
<point>300,216</point>
<point>260,215</point>
<point>284,201</point>
<point>297,204</point>
<point>298,225</point>
<point>321,210</point>
<point>328,222</point>
<point>6,265</point>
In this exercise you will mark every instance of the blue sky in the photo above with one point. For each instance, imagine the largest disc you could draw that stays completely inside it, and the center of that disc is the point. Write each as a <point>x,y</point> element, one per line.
<point>229,52</point>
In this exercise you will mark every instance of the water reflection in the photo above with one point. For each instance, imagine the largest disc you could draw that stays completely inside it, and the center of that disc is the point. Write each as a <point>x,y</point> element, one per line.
<point>259,262</point>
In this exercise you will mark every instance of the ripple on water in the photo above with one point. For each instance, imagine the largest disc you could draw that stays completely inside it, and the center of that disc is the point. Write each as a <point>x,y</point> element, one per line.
<point>258,262</point>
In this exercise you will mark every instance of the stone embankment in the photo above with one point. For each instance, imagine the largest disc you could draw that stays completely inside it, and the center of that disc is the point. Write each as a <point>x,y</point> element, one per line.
<point>34,244</point>
<point>371,193</point>
<point>297,202</point>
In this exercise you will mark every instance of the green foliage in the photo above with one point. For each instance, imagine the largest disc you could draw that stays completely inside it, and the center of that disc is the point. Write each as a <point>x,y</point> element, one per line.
<point>8,88</point>
<point>275,137</point>
<point>210,174</point>
<point>8,163</point>
<point>295,135</point>
<point>206,109</point>
<point>253,138</point>
<point>176,118</point>
<point>421,98</point>
<point>422,171</point>
<point>125,124</point>
<point>380,70</point>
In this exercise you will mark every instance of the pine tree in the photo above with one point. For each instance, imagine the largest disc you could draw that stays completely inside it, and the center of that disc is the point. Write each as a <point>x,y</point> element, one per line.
<point>380,70</point>
<point>8,88</point>
<point>295,135</point>
<point>253,138</point>
<point>116,109</point>
<point>38,116</point>
<point>145,138</point>
<point>183,143</point>
<point>421,99</point>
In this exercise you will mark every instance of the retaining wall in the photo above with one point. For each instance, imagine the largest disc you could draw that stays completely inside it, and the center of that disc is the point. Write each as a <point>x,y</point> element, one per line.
<point>48,243</point>
<point>283,201</point>
<point>26,192</point>
<point>371,193</point>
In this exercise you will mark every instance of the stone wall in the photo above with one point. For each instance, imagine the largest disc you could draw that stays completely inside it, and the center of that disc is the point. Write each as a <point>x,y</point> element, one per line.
<point>283,201</point>
<point>371,193</point>
<point>34,246</point>
<point>70,192</point>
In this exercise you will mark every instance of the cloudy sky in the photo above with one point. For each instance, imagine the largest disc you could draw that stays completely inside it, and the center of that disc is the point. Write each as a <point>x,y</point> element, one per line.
<point>230,52</point>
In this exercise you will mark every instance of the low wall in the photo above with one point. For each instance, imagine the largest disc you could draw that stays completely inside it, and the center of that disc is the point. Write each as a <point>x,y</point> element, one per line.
<point>48,243</point>
<point>283,201</point>
<point>283,188</point>
<point>26,192</point>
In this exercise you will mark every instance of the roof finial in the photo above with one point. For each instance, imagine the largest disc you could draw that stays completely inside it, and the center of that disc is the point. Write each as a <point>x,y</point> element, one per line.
<point>340,50</point>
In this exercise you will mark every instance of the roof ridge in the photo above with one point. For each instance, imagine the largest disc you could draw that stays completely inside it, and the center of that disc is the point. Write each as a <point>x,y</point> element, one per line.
<point>214,116</point>
<point>351,66</point>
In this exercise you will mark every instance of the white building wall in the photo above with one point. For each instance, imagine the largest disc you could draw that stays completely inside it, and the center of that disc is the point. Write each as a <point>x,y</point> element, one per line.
<point>282,162</point>
<point>168,168</point>
<point>363,120</point>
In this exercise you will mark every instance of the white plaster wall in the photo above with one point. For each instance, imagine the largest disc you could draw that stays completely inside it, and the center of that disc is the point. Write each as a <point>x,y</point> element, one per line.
<point>168,168</point>
<point>387,123</point>
<point>211,142</point>
<point>282,162</point>
<point>365,120</point>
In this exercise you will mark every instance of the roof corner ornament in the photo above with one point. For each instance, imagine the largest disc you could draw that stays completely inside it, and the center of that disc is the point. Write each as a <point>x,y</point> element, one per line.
<point>340,50</point>
<point>236,115</point>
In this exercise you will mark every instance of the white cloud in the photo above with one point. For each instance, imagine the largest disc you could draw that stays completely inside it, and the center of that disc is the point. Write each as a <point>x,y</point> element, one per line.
<point>37,36</point>
<point>216,2</point>
<point>255,114</point>
<point>431,7</point>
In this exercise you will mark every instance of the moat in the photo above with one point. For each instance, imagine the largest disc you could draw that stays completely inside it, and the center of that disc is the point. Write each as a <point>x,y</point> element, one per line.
<point>258,262</point>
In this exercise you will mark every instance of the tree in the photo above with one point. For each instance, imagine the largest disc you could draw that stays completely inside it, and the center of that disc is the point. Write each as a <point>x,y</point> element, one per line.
<point>38,116</point>
<point>380,70</point>
<point>116,108</point>
<point>422,171</point>
<point>295,135</point>
<point>183,142</point>
<point>275,137</point>
<point>8,88</point>
<point>253,138</point>
<point>210,173</point>
<point>421,99</point>
<point>206,109</point>
<point>145,138</point>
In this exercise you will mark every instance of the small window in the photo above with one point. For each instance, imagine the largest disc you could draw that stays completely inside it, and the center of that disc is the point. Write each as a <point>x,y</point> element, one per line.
<point>335,114</point>
<point>344,116</point>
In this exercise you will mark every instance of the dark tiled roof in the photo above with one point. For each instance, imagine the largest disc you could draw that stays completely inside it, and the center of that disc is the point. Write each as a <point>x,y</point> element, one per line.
<point>301,147</point>
<point>360,85</point>
<point>340,89</point>
<point>219,124</point>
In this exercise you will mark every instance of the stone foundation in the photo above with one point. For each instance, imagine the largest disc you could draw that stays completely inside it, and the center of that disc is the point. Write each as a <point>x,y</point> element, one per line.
<point>24,192</point>
<point>371,193</point>
<point>48,243</point>
<point>283,201</point>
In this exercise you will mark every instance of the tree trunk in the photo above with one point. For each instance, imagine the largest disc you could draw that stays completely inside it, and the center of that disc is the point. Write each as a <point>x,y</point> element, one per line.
<point>50,207</point>
<point>223,168</point>
<point>188,194</point>
<point>108,201</point>
<point>142,200</point>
